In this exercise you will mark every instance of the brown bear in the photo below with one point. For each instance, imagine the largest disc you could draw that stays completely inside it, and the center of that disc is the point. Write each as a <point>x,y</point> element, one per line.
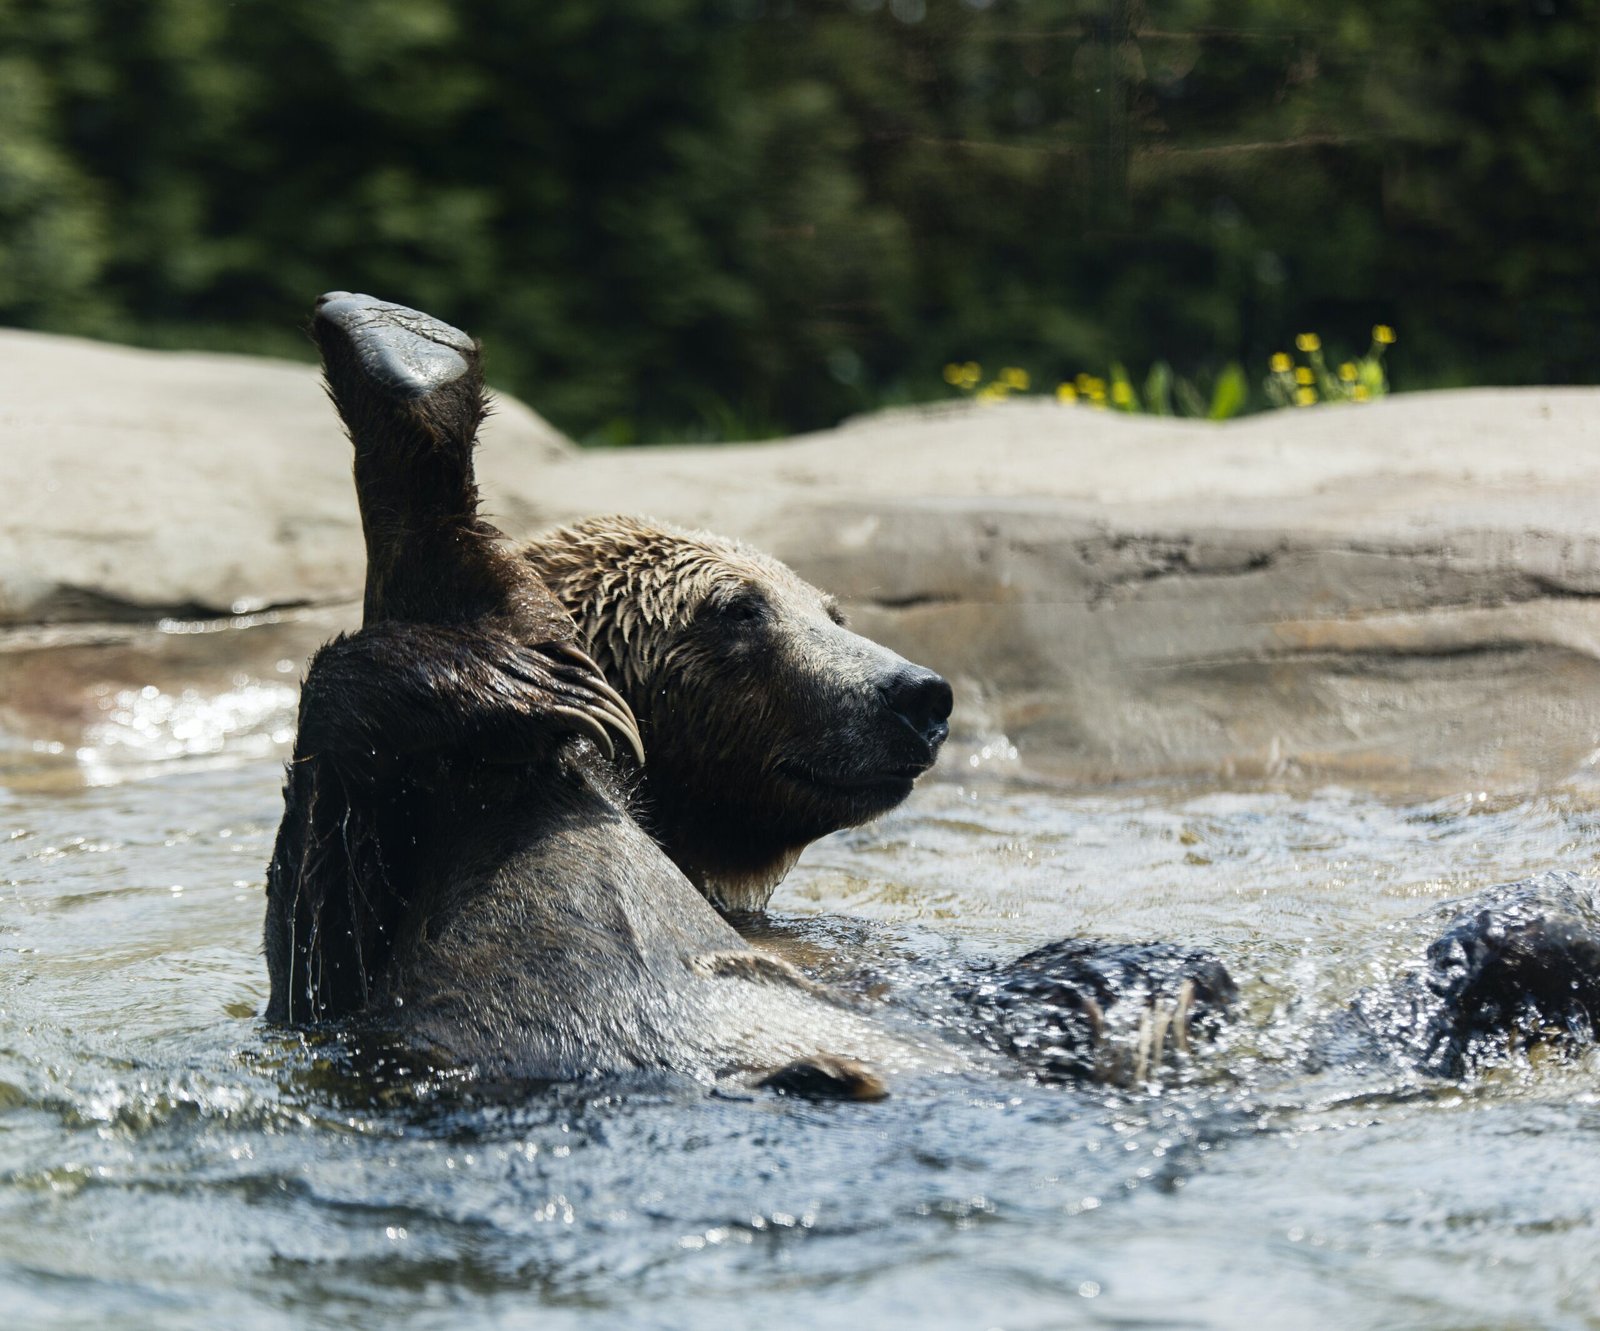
<point>741,674</point>
<point>458,863</point>
<point>767,722</point>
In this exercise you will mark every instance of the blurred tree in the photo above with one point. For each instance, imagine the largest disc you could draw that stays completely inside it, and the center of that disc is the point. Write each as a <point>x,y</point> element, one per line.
<point>682,218</point>
<point>53,242</point>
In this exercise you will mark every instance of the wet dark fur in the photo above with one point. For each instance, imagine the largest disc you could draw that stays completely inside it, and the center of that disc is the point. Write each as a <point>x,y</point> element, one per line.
<point>456,859</point>
<point>380,757</point>
<point>767,721</point>
<point>725,658</point>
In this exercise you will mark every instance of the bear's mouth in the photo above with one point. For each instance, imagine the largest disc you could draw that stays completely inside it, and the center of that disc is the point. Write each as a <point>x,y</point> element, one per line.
<point>886,781</point>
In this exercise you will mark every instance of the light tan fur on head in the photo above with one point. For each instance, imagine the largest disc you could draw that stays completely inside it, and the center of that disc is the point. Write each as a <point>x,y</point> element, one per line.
<point>766,723</point>
<point>633,583</point>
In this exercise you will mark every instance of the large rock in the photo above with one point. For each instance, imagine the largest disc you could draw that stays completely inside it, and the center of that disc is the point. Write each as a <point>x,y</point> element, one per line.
<point>1402,590</point>
<point>145,482</point>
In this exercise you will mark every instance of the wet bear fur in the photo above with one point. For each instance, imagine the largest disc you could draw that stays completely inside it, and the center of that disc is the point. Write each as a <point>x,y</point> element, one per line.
<point>715,648</point>
<point>458,864</point>
<point>767,722</point>
<point>459,861</point>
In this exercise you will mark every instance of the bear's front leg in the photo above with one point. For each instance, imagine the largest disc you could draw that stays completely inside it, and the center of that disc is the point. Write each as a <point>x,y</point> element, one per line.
<point>393,690</point>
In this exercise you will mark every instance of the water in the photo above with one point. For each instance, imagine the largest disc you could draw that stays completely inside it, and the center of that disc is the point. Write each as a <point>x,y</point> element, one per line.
<point>164,1159</point>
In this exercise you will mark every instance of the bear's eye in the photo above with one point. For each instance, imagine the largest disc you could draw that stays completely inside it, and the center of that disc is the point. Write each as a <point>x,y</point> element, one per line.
<point>744,607</point>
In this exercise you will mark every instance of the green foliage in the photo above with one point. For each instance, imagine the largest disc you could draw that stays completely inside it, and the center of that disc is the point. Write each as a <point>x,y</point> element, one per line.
<point>696,218</point>
<point>1359,380</point>
<point>1158,389</point>
<point>1229,395</point>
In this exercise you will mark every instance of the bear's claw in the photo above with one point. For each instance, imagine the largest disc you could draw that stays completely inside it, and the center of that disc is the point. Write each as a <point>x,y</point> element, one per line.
<point>606,704</point>
<point>578,693</point>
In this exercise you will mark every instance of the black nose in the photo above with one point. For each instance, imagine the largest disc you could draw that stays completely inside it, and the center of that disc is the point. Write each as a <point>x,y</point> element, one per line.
<point>922,700</point>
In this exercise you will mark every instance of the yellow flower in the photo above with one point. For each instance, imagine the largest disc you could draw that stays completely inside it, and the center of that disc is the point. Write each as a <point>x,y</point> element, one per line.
<point>952,375</point>
<point>1347,372</point>
<point>1083,381</point>
<point>1383,335</point>
<point>1121,393</point>
<point>1308,342</point>
<point>1304,397</point>
<point>1066,394</point>
<point>1303,376</point>
<point>995,392</point>
<point>1097,387</point>
<point>1280,362</point>
<point>1359,393</point>
<point>1012,377</point>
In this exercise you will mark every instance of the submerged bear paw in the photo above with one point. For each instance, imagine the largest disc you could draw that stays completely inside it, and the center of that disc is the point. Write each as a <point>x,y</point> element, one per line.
<point>1519,967</point>
<point>1111,1013</point>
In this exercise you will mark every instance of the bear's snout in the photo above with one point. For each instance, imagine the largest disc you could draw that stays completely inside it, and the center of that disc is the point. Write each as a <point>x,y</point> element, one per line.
<point>922,700</point>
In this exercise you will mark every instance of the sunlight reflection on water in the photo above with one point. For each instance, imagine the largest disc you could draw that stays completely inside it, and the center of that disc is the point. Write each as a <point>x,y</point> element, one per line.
<point>143,727</point>
<point>169,1160</point>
